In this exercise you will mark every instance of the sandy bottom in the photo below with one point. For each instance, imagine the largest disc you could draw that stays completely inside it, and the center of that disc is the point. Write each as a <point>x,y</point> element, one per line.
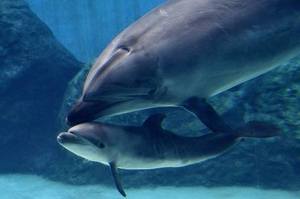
<point>33,187</point>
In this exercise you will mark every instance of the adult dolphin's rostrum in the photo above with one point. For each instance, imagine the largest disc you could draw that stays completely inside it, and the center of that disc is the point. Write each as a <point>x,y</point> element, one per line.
<point>149,146</point>
<point>189,48</point>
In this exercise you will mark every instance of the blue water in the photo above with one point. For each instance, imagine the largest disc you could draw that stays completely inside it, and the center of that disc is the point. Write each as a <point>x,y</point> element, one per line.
<point>41,64</point>
<point>86,27</point>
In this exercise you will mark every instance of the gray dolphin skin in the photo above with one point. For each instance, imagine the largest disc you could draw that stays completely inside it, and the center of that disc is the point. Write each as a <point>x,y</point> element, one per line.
<point>188,48</point>
<point>149,146</point>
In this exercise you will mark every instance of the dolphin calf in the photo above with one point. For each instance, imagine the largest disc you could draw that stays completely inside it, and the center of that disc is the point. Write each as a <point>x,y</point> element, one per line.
<point>150,146</point>
<point>188,48</point>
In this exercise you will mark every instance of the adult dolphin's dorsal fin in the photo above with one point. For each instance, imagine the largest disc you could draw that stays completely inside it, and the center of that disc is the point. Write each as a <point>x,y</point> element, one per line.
<point>154,121</point>
<point>116,177</point>
<point>207,114</point>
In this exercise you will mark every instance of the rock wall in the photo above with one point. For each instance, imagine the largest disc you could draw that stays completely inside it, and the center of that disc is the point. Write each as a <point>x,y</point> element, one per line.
<point>34,72</point>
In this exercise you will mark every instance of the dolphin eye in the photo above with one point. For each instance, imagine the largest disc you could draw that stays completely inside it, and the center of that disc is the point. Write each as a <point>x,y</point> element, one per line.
<point>125,48</point>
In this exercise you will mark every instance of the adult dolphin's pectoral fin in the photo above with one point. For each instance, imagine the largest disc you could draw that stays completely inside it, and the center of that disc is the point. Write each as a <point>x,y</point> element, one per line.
<point>116,177</point>
<point>207,114</point>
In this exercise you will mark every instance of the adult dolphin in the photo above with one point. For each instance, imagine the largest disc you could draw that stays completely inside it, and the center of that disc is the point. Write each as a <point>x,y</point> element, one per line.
<point>189,48</point>
<point>149,146</point>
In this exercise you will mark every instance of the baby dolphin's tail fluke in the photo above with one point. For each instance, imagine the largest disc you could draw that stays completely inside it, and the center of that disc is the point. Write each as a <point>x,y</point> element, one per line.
<point>258,129</point>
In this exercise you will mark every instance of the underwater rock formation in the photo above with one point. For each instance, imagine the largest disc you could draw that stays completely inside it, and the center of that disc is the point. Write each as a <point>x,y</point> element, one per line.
<point>34,72</point>
<point>278,98</point>
<point>271,163</point>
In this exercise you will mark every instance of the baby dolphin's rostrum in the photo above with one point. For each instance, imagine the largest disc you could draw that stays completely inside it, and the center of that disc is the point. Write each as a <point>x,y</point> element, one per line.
<point>150,146</point>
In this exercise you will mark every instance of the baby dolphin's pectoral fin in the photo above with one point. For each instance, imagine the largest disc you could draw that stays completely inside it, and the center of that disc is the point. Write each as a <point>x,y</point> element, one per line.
<point>207,114</point>
<point>116,177</point>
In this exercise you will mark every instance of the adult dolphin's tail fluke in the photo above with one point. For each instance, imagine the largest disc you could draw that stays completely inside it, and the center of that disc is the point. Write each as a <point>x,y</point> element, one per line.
<point>150,146</point>
<point>189,48</point>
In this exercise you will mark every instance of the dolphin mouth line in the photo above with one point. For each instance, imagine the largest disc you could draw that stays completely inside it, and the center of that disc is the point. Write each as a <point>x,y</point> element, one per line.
<point>124,95</point>
<point>61,138</point>
<point>80,139</point>
<point>122,98</point>
<point>117,102</point>
<point>91,110</point>
<point>107,109</point>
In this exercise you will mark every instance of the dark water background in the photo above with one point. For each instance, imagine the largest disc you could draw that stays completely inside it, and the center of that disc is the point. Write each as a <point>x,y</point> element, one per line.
<point>46,48</point>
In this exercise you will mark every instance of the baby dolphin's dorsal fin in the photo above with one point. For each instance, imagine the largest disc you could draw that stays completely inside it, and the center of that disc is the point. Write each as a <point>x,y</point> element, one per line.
<point>154,121</point>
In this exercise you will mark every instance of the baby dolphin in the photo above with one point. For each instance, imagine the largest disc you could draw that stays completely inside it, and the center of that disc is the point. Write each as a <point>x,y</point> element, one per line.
<point>188,48</point>
<point>150,146</point>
